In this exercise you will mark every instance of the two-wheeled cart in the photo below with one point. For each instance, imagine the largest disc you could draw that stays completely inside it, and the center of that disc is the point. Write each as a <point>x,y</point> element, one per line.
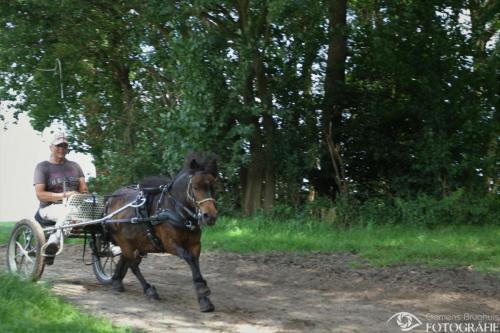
<point>85,219</point>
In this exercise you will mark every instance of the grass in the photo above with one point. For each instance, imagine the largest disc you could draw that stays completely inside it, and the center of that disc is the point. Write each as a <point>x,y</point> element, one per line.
<point>5,229</point>
<point>444,246</point>
<point>27,307</point>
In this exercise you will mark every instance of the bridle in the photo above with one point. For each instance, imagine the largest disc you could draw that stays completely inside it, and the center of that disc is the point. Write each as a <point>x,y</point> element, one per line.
<point>190,194</point>
<point>193,218</point>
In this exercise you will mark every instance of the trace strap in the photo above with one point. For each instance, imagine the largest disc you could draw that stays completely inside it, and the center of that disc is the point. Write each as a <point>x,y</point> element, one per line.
<point>162,216</point>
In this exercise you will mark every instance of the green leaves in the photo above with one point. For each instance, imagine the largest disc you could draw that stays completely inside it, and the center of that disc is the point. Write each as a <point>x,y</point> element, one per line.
<point>145,82</point>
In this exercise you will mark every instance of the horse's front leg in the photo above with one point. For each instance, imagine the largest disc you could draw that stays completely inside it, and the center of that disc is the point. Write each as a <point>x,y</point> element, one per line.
<point>200,285</point>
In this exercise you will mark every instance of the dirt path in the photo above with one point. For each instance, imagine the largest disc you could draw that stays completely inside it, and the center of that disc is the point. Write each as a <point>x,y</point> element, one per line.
<point>277,293</point>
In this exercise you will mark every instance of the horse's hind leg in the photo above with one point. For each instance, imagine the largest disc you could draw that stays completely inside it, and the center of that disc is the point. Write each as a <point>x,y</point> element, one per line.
<point>149,290</point>
<point>200,285</point>
<point>119,274</point>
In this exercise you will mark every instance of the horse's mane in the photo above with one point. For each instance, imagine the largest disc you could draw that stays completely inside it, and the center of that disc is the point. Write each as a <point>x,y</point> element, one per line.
<point>196,161</point>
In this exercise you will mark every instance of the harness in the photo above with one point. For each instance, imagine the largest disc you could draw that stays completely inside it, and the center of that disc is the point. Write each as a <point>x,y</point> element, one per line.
<point>181,217</point>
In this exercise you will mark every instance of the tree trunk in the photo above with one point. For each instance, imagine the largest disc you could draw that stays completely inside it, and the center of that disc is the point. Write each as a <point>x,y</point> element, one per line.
<point>123,81</point>
<point>260,181</point>
<point>94,133</point>
<point>269,132</point>
<point>335,69</point>
<point>334,82</point>
<point>269,189</point>
<point>243,174</point>
<point>255,175</point>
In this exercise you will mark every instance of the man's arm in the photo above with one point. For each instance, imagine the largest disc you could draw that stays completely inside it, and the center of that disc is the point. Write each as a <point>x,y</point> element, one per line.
<point>46,196</point>
<point>82,185</point>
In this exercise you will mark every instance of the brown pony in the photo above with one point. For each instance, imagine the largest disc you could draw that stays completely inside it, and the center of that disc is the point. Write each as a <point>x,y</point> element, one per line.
<point>170,221</point>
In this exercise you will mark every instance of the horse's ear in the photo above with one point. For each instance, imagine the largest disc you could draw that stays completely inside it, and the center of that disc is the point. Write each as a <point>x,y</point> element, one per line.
<point>193,165</point>
<point>211,167</point>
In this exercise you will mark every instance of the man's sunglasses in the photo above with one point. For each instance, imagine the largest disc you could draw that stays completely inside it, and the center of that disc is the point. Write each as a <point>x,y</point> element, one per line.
<point>62,145</point>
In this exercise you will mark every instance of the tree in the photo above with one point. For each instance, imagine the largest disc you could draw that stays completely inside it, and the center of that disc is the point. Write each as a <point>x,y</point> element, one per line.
<point>389,98</point>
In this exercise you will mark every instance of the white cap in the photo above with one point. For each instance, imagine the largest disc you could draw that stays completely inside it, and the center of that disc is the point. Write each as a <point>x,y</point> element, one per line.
<point>59,138</point>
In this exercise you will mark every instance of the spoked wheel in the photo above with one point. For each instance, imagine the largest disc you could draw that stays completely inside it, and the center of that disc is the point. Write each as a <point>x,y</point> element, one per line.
<point>103,260</point>
<point>23,252</point>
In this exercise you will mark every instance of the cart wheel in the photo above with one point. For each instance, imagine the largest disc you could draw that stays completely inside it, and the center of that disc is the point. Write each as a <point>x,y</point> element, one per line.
<point>23,251</point>
<point>103,261</point>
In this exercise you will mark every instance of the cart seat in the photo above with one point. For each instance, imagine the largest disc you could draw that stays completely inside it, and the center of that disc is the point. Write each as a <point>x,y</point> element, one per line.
<point>43,222</point>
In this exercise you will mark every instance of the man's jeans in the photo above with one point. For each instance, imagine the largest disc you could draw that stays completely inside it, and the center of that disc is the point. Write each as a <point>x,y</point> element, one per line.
<point>56,213</point>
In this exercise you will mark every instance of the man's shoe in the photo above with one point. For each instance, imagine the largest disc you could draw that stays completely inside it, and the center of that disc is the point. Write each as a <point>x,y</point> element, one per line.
<point>115,249</point>
<point>50,253</point>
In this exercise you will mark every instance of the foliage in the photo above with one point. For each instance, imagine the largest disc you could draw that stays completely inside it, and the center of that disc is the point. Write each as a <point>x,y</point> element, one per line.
<point>459,208</point>
<point>26,307</point>
<point>413,101</point>
<point>418,98</point>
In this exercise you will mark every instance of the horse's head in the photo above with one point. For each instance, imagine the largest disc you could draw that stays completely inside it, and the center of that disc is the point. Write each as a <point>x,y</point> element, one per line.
<point>201,188</point>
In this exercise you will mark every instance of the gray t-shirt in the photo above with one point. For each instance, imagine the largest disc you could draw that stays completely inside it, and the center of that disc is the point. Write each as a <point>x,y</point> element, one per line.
<point>57,177</point>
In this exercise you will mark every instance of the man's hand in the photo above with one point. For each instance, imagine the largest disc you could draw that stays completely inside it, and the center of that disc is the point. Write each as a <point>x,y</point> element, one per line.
<point>69,193</point>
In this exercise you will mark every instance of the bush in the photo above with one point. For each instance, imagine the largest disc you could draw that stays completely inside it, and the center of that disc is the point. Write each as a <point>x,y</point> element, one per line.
<point>457,208</point>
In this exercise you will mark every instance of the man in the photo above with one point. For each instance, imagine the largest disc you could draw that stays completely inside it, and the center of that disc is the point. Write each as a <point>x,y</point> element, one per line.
<point>54,180</point>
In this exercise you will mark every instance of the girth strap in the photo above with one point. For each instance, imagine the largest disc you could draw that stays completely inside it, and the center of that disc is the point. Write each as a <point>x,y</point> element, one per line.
<point>152,237</point>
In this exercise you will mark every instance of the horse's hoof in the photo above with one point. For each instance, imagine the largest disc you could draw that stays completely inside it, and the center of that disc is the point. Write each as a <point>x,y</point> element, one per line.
<point>118,286</point>
<point>206,305</point>
<point>151,293</point>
